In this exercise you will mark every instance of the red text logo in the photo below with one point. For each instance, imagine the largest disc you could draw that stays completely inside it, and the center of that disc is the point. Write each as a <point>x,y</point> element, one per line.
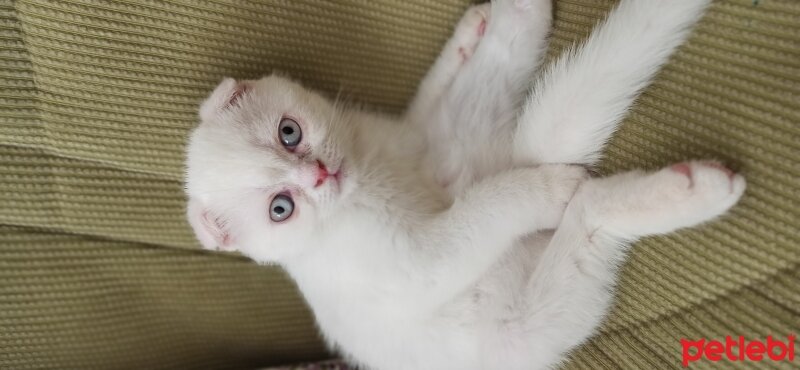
<point>738,350</point>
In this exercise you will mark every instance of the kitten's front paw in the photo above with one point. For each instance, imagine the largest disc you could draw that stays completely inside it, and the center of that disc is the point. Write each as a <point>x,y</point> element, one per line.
<point>470,30</point>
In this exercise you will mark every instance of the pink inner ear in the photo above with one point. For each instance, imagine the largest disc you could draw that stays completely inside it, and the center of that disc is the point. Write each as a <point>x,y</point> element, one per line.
<point>237,94</point>
<point>227,92</point>
<point>221,236</point>
<point>208,229</point>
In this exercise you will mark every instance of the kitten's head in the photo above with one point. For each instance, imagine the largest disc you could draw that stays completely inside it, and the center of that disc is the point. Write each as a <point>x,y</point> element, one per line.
<point>266,165</point>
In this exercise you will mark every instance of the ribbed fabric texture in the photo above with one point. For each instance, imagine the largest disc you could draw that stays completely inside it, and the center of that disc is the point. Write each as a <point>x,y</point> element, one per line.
<point>98,268</point>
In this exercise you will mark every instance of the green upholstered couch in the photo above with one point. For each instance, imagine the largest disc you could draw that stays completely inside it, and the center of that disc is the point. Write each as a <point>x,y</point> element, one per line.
<point>98,268</point>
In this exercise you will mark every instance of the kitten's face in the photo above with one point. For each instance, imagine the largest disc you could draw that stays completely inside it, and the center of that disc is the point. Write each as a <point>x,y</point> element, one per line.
<point>266,166</point>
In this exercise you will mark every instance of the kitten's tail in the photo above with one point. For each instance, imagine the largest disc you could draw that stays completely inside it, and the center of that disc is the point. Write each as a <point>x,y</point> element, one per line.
<point>577,102</point>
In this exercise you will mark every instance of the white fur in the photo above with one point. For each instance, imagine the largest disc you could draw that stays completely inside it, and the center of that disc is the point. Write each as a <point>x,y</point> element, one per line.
<point>436,249</point>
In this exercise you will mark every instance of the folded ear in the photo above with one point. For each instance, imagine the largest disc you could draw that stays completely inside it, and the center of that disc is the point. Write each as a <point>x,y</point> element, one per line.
<point>208,229</point>
<point>226,93</point>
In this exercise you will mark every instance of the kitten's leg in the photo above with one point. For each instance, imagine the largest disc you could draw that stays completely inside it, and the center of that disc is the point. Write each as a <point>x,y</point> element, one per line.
<point>456,52</point>
<point>500,71</point>
<point>455,248</point>
<point>477,114</point>
<point>577,103</point>
<point>569,290</point>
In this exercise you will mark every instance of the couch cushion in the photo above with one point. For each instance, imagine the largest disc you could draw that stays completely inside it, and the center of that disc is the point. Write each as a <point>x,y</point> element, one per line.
<point>101,270</point>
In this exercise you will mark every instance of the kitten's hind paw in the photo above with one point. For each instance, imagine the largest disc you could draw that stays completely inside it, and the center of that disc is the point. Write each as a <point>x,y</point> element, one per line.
<point>711,185</point>
<point>685,194</point>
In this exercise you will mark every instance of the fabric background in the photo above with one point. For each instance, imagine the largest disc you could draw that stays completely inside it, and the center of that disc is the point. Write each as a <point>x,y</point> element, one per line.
<point>98,268</point>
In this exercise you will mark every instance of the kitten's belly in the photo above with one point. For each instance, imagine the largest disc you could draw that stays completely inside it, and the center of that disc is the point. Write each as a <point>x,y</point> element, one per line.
<point>507,279</point>
<point>459,164</point>
<point>500,300</point>
<point>484,328</point>
<point>405,344</point>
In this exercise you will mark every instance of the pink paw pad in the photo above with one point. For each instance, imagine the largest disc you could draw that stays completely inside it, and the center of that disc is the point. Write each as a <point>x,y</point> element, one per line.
<point>720,167</point>
<point>482,28</point>
<point>684,169</point>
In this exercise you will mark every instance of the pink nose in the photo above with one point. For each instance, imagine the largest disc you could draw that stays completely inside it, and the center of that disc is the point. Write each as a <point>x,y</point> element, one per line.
<point>322,174</point>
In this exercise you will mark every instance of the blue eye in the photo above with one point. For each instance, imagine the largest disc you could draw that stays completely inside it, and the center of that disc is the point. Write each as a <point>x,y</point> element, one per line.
<point>281,208</point>
<point>289,133</point>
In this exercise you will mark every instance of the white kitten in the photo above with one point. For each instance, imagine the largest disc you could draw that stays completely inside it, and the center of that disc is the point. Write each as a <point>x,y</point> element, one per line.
<point>419,244</point>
